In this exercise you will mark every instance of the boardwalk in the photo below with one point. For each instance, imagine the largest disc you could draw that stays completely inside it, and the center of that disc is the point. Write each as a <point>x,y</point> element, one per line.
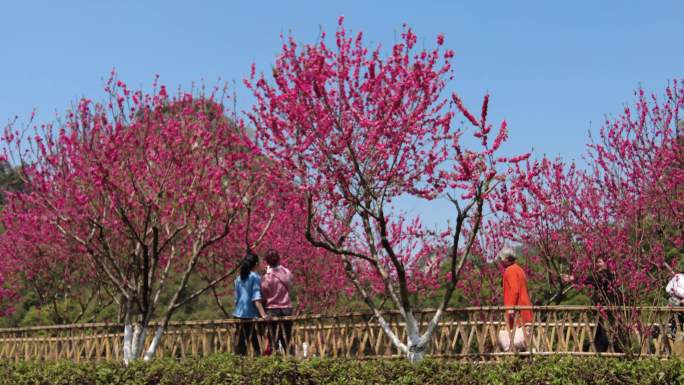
<point>468,334</point>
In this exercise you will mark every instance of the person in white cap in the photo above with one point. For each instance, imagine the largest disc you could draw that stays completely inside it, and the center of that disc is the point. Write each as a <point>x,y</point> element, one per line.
<point>514,286</point>
<point>515,293</point>
<point>675,290</point>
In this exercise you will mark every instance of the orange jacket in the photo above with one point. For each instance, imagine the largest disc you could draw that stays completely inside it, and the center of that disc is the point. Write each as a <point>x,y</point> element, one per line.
<point>515,293</point>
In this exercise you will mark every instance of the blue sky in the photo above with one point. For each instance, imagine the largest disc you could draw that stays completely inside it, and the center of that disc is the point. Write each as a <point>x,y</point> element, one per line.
<point>554,69</point>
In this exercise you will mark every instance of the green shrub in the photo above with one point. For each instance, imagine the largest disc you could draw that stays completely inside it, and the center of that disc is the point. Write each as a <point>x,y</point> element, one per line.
<point>227,369</point>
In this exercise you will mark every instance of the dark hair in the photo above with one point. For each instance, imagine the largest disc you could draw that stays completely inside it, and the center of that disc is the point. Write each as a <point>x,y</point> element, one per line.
<point>247,264</point>
<point>272,258</point>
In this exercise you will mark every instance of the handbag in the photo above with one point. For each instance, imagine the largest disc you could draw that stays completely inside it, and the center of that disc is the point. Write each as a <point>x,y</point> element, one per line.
<point>518,335</point>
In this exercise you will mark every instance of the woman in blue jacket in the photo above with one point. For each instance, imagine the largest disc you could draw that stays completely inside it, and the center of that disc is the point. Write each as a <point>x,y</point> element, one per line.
<point>248,304</point>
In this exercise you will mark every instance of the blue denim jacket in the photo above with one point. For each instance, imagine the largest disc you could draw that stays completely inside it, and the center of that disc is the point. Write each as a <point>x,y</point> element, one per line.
<point>246,292</point>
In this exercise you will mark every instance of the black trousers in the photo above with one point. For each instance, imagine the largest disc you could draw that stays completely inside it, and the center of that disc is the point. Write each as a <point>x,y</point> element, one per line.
<point>610,331</point>
<point>246,333</point>
<point>281,330</point>
<point>601,341</point>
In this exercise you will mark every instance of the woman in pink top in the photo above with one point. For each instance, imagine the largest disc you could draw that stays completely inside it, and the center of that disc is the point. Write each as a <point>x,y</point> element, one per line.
<point>275,292</point>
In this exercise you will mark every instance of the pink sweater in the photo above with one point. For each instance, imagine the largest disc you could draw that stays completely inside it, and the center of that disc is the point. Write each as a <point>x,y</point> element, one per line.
<point>275,288</point>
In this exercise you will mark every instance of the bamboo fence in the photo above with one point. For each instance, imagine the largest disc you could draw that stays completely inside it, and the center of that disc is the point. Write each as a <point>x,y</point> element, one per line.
<point>464,333</point>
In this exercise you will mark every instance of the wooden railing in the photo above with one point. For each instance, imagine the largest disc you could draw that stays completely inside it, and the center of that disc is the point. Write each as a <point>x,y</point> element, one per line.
<point>468,333</point>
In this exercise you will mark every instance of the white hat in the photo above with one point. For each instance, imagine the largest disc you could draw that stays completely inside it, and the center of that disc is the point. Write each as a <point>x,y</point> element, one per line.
<point>505,253</point>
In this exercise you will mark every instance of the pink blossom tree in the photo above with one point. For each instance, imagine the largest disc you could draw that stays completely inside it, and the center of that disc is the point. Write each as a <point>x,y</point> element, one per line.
<point>624,207</point>
<point>356,131</point>
<point>542,227</point>
<point>53,270</point>
<point>139,193</point>
<point>628,204</point>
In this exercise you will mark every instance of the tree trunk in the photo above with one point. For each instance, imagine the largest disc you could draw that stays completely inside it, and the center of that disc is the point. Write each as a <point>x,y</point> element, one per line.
<point>127,342</point>
<point>416,347</point>
<point>419,343</point>
<point>416,344</point>
<point>133,341</point>
<point>155,343</point>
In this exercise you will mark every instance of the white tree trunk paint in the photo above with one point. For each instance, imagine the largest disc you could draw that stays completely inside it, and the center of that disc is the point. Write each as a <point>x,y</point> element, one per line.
<point>412,327</point>
<point>127,342</point>
<point>135,345</point>
<point>141,340</point>
<point>417,343</point>
<point>416,349</point>
<point>155,343</point>
<point>388,331</point>
<point>134,340</point>
<point>432,326</point>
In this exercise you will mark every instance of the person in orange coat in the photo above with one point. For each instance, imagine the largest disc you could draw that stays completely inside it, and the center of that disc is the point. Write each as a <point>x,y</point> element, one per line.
<point>514,288</point>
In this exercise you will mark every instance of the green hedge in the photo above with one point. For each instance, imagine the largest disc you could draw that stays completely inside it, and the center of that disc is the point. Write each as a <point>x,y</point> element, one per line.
<point>226,369</point>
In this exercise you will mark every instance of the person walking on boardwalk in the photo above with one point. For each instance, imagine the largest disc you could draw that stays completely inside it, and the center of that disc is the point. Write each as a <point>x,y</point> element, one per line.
<point>675,292</point>
<point>248,305</point>
<point>275,289</point>
<point>604,294</point>
<point>515,293</point>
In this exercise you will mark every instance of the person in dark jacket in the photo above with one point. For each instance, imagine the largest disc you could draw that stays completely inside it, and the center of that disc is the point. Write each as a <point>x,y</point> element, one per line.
<point>604,294</point>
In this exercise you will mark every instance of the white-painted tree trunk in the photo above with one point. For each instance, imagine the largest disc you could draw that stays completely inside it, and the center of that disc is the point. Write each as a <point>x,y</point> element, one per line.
<point>127,342</point>
<point>417,343</point>
<point>416,348</point>
<point>154,344</point>
<point>133,341</point>
<point>388,331</point>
